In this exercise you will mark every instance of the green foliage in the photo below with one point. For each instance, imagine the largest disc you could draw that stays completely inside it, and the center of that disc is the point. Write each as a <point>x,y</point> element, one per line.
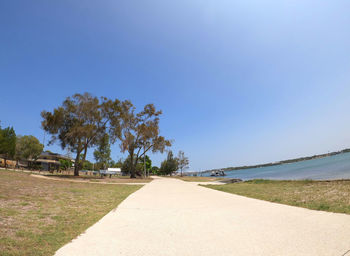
<point>127,166</point>
<point>103,153</point>
<point>118,164</point>
<point>65,164</point>
<point>170,165</point>
<point>8,143</point>
<point>138,169</point>
<point>148,164</point>
<point>87,165</point>
<point>155,170</point>
<point>28,148</point>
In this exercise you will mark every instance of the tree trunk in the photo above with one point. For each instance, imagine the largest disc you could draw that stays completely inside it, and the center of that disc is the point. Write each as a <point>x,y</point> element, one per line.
<point>77,164</point>
<point>85,152</point>
<point>132,166</point>
<point>132,172</point>
<point>5,162</point>
<point>144,165</point>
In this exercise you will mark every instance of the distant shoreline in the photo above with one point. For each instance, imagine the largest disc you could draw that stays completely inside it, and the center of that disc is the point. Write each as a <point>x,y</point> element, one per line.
<point>280,162</point>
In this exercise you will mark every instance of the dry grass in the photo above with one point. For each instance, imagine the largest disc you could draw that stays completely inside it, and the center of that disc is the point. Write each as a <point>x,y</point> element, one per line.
<point>38,216</point>
<point>332,196</point>
<point>113,179</point>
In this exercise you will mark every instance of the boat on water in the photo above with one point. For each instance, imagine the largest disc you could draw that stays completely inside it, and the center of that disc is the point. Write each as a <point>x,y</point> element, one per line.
<point>218,173</point>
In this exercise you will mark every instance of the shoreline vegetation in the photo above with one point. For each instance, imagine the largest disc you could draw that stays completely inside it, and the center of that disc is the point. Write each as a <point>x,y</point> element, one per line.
<point>38,216</point>
<point>330,196</point>
<point>294,160</point>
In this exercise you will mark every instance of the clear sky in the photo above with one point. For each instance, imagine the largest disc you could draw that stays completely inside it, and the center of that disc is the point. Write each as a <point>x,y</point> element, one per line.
<point>239,82</point>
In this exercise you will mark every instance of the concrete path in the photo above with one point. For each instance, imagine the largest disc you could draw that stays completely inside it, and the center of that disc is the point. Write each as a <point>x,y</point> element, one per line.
<point>172,217</point>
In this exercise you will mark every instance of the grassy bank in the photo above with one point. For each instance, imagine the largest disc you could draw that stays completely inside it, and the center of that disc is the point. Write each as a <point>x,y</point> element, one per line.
<point>38,216</point>
<point>332,196</point>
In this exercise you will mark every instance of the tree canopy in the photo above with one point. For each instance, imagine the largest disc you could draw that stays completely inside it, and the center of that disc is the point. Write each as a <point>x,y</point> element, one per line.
<point>148,163</point>
<point>170,165</point>
<point>78,124</point>
<point>83,121</point>
<point>7,143</point>
<point>138,132</point>
<point>65,164</point>
<point>103,152</point>
<point>28,148</point>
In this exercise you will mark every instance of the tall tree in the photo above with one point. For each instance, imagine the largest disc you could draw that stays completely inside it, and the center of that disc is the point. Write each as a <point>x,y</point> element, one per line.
<point>170,165</point>
<point>7,143</point>
<point>78,124</point>
<point>103,152</point>
<point>138,132</point>
<point>183,161</point>
<point>28,148</point>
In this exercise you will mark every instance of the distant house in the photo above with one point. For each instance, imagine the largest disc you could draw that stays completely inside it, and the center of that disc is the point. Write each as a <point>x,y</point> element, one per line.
<point>51,161</point>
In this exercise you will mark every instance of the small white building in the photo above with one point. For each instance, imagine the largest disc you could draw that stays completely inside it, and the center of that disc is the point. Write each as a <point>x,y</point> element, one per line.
<point>117,170</point>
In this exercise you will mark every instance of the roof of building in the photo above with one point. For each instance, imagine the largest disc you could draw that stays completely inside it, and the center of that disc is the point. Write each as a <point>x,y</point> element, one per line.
<point>48,161</point>
<point>48,154</point>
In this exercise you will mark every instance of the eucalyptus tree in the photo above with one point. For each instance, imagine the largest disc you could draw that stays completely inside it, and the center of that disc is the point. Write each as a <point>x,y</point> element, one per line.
<point>182,161</point>
<point>138,132</point>
<point>79,123</point>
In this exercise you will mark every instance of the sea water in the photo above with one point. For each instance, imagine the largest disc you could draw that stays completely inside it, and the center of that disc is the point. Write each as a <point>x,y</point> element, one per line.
<point>327,168</point>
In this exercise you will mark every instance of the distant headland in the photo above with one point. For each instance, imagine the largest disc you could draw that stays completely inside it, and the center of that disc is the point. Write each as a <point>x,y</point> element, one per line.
<point>280,162</point>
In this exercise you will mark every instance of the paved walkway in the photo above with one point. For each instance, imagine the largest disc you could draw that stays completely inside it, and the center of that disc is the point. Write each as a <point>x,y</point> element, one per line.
<point>172,217</point>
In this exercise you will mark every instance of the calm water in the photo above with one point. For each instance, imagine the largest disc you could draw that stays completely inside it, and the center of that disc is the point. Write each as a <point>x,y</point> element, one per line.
<point>332,167</point>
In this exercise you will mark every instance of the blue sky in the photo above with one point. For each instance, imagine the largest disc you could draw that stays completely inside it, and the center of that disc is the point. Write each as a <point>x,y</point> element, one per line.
<point>239,82</point>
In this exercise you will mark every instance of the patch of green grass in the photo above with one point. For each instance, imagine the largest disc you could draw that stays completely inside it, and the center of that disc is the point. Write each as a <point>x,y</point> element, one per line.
<point>331,196</point>
<point>38,216</point>
<point>7,212</point>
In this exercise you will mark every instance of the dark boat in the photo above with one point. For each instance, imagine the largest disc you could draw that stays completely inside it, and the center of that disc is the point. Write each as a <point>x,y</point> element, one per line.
<point>217,173</point>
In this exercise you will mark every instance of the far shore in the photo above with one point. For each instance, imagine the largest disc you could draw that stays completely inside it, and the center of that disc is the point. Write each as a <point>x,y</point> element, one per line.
<point>280,162</point>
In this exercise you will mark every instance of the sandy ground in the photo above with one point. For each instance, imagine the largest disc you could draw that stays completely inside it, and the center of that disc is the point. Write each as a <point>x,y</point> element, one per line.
<point>173,217</point>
